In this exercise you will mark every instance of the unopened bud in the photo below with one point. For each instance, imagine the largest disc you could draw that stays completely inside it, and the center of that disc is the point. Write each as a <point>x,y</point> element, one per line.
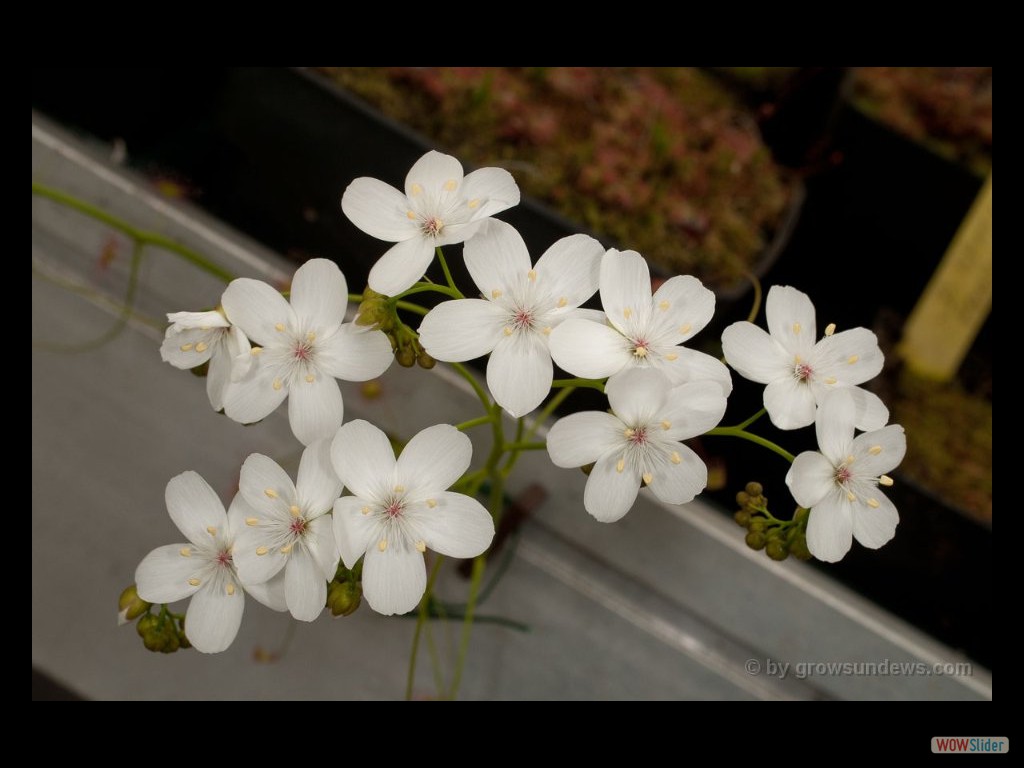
<point>755,488</point>
<point>743,498</point>
<point>406,356</point>
<point>343,598</point>
<point>742,517</point>
<point>425,361</point>
<point>755,539</point>
<point>798,548</point>
<point>130,606</point>
<point>146,625</point>
<point>776,550</point>
<point>586,469</point>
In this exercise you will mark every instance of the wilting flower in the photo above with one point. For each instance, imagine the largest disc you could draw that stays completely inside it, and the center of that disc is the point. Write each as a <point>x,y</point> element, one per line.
<point>439,207</point>
<point>203,568</point>
<point>521,305</point>
<point>288,529</point>
<point>194,338</point>
<point>840,484</point>
<point>798,370</point>
<point>639,441</point>
<point>302,348</point>
<point>399,508</point>
<point>642,331</point>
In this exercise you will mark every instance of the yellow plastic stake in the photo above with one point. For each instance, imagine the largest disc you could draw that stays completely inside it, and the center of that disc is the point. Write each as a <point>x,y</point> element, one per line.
<point>956,300</point>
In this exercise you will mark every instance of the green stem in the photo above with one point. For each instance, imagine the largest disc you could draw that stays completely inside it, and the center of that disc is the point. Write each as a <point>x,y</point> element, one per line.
<point>420,620</point>
<point>448,291</point>
<point>591,383</point>
<point>751,420</point>
<point>410,307</point>
<point>525,446</point>
<point>543,416</point>
<point>742,433</point>
<point>139,235</point>
<point>467,623</point>
<point>474,422</point>
<point>480,393</point>
<point>447,272</point>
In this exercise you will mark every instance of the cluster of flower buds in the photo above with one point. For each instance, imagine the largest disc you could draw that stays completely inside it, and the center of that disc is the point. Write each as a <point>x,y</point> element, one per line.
<point>778,538</point>
<point>345,592</point>
<point>379,312</point>
<point>163,632</point>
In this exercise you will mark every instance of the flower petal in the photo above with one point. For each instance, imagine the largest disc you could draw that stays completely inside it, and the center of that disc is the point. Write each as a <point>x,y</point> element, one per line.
<point>519,373</point>
<point>430,174</point>
<point>319,295</point>
<point>305,588</point>
<point>266,487</point>
<point>833,425</point>
<point>494,188</point>
<point>214,616</point>
<point>678,482</point>
<point>199,320</point>
<point>184,359</point>
<point>458,526</point>
<point>496,258</point>
<point>851,357</point>
<point>401,266</point>
<point>870,412</point>
<point>626,291</point>
<point>588,349</point>
<point>609,493</point>
<point>218,378</point>
<point>879,451</point>
<point>257,309</point>
<point>830,528</point>
<point>637,394</point>
<point>681,302</point>
<point>434,459</point>
<point>320,542</point>
<point>570,270</point>
<point>456,331</point>
<point>163,574</point>
<point>355,353</point>
<point>754,354</point>
<point>317,485</point>
<point>270,593</point>
<point>379,210</point>
<point>353,530</point>
<point>255,568</point>
<point>238,512</point>
<point>582,438</point>
<point>811,478</point>
<point>194,507</point>
<point>364,459</point>
<point>790,403</point>
<point>791,320</point>
<point>315,409</point>
<point>692,409</point>
<point>690,365</point>
<point>254,396</point>
<point>875,526</point>
<point>393,580</point>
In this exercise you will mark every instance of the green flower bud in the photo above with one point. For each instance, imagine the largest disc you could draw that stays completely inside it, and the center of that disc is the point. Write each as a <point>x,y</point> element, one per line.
<point>586,469</point>
<point>776,550</point>
<point>343,598</point>
<point>798,548</point>
<point>146,625</point>
<point>755,540</point>
<point>743,498</point>
<point>425,361</point>
<point>757,524</point>
<point>130,605</point>
<point>801,513</point>
<point>742,517</point>
<point>754,488</point>
<point>406,356</point>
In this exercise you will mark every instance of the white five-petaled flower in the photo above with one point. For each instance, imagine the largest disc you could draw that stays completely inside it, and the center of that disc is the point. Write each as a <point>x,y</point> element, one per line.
<point>639,441</point>
<point>798,370</point>
<point>642,331</point>
<point>194,338</point>
<point>400,508</point>
<point>287,527</point>
<point>439,207</point>
<point>203,568</point>
<point>840,484</point>
<point>521,305</point>
<point>302,348</point>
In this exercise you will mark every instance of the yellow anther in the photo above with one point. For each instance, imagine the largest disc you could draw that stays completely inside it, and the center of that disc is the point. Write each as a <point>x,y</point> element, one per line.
<point>850,459</point>
<point>185,552</point>
<point>251,521</point>
<point>873,503</point>
<point>201,346</point>
<point>797,359</point>
<point>532,274</point>
<point>685,328</point>
<point>676,458</point>
<point>279,326</point>
<point>507,331</point>
<point>621,465</point>
<point>186,347</point>
<point>287,548</point>
<point>399,489</point>
<point>421,546</point>
<point>666,424</point>
<point>450,185</point>
<point>382,544</point>
<point>663,306</point>
<point>255,351</point>
<point>627,313</point>
<point>629,432</point>
<point>294,510</point>
<point>415,190</point>
<point>212,530</point>
<point>852,359</point>
<point>230,588</point>
<point>850,496</point>
<point>671,356</point>
<point>830,329</point>
<point>474,203</point>
<point>831,380</point>
<point>796,328</point>
<point>885,480</point>
<point>874,450</point>
<point>261,551</point>
<point>411,214</point>
<point>277,385</point>
<point>562,302</point>
<point>431,503</point>
<point>365,510</point>
<point>311,336</point>
<point>270,493</point>
<point>495,294</point>
<point>310,378</point>
<point>547,330</point>
<point>194,582</point>
<point>640,352</point>
<point>648,477</point>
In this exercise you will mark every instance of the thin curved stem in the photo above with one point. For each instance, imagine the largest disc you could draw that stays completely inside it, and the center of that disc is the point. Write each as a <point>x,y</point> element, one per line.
<point>743,434</point>
<point>479,420</point>
<point>447,272</point>
<point>575,383</point>
<point>751,420</point>
<point>420,620</point>
<point>452,293</point>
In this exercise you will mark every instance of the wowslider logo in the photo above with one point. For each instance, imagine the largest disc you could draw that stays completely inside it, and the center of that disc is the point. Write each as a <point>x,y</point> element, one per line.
<point>970,744</point>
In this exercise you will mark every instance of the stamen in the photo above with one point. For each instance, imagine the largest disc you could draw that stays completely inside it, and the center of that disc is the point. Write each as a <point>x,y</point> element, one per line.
<point>850,459</point>
<point>271,493</point>
<point>852,359</point>
<point>830,329</point>
<point>473,203</point>
<point>194,582</point>
<point>885,480</point>
<point>251,521</point>
<point>640,352</point>
<point>311,336</point>
<point>261,551</point>
<point>684,329</point>
<point>627,313</point>
<point>212,530</point>
<point>666,424</point>
<point>796,329</point>
<point>507,331</point>
<point>495,294</point>
<point>621,465</point>
<point>365,510</point>
<point>830,380</point>
<point>873,503</point>
<point>279,326</point>
<point>310,378</point>
<point>186,347</point>
<point>547,330</point>
<point>676,458</point>
<point>411,215</point>
<point>277,385</point>
<point>294,510</point>
<point>648,477</point>
<point>663,306</point>
<point>874,450</point>
<point>185,552</point>
<point>399,489</point>
<point>532,274</point>
<point>287,548</point>
<point>421,546</point>
<point>382,544</point>
<point>415,190</point>
<point>562,302</point>
<point>230,588</point>
<point>629,432</point>
<point>201,346</point>
<point>671,356</point>
<point>256,351</point>
<point>450,185</point>
<point>850,496</point>
<point>431,503</point>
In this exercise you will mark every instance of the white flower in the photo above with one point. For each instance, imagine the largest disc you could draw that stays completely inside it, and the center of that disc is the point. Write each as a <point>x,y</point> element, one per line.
<point>304,346</point>
<point>439,207</point>
<point>521,305</point>
<point>639,441</point>
<point>800,372</point>
<point>642,331</point>
<point>194,338</point>
<point>840,484</point>
<point>400,508</point>
<point>203,568</point>
<point>288,528</point>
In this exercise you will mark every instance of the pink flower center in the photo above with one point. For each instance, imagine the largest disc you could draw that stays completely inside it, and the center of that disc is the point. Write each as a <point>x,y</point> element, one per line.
<point>523,318</point>
<point>224,558</point>
<point>640,348</point>
<point>432,226</point>
<point>303,350</point>
<point>394,509</point>
<point>803,371</point>
<point>638,436</point>
<point>843,475</point>
<point>298,526</point>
